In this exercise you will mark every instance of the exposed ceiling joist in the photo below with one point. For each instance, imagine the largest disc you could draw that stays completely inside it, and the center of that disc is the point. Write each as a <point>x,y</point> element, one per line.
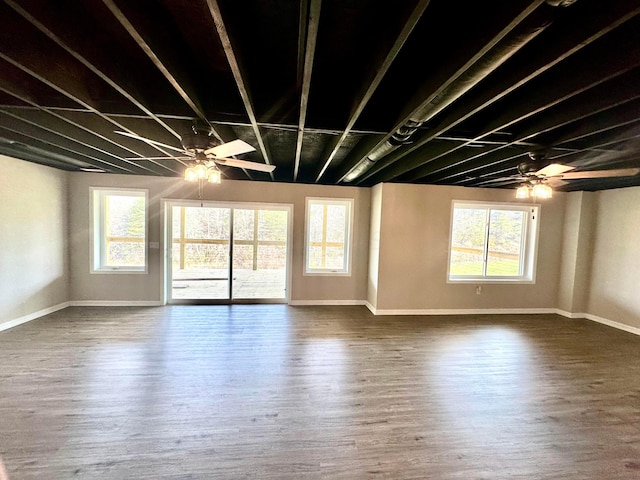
<point>422,91</point>
<point>239,78</point>
<point>370,86</point>
<point>311,33</point>
<point>604,22</point>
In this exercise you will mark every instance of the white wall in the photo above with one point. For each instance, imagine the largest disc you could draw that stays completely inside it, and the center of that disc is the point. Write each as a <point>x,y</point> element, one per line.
<point>33,239</point>
<point>614,290</point>
<point>414,246</point>
<point>87,287</point>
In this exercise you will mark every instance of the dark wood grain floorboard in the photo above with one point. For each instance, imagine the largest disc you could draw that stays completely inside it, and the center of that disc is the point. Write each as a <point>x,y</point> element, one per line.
<point>278,392</point>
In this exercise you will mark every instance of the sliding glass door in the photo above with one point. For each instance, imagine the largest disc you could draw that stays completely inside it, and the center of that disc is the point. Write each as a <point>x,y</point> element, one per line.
<point>259,253</point>
<point>223,253</point>
<point>200,253</point>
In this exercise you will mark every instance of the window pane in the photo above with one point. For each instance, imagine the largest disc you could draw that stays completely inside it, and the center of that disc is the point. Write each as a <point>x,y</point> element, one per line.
<point>316,220</point>
<point>272,225</point>
<point>272,257</point>
<point>175,217</point>
<point>125,216</point>
<point>242,255</point>
<point>336,220</point>
<point>314,257</point>
<point>243,224</point>
<point>125,254</point>
<point>328,235</point>
<point>124,231</point>
<point>207,223</point>
<point>206,256</point>
<point>175,256</point>
<point>334,257</point>
<point>505,243</point>
<point>467,241</point>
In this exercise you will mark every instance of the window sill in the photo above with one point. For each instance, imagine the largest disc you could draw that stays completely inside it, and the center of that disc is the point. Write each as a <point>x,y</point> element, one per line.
<point>327,273</point>
<point>497,281</point>
<point>116,270</point>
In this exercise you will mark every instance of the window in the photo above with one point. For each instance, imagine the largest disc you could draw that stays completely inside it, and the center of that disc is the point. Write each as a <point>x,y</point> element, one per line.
<point>119,230</point>
<point>493,242</point>
<point>328,236</point>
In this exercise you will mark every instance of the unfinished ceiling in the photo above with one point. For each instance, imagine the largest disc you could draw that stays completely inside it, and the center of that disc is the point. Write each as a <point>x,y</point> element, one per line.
<point>352,92</point>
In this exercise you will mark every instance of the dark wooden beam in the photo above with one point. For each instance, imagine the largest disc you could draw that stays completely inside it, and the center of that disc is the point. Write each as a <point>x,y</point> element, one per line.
<point>33,154</point>
<point>372,83</point>
<point>62,75</point>
<point>178,80</point>
<point>608,149</point>
<point>55,150</point>
<point>239,77</point>
<point>425,164</point>
<point>313,21</point>
<point>424,99</point>
<point>607,21</point>
<point>22,94</point>
<point>97,67</point>
<point>97,157</point>
<point>574,111</point>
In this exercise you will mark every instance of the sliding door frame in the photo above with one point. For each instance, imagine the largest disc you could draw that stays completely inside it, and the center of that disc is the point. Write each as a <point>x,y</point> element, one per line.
<point>167,240</point>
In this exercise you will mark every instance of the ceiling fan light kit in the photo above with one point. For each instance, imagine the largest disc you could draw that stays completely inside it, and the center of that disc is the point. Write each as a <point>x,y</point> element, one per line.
<point>202,173</point>
<point>538,190</point>
<point>522,191</point>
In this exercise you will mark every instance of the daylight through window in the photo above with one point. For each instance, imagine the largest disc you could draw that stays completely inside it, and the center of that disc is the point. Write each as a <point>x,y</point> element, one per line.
<point>119,233</point>
<point>328,236</point>
<point>493,242</point>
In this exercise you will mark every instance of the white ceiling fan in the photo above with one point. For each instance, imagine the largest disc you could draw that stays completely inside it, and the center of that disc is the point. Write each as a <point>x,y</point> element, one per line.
<point>199,147</point>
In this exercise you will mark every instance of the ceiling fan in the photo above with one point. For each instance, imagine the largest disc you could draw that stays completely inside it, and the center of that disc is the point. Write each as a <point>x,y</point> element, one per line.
<point>205,153</point>
<point>539,182</point>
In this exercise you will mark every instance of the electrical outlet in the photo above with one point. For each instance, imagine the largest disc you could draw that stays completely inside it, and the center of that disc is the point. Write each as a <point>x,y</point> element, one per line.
<point>478,289</point>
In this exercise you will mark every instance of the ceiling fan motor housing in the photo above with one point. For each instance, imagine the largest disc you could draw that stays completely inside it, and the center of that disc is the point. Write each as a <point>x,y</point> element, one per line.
<point>199,138</point>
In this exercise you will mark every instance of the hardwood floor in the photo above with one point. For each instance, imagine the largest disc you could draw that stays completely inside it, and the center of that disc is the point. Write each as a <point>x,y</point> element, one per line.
<point>278,392</point>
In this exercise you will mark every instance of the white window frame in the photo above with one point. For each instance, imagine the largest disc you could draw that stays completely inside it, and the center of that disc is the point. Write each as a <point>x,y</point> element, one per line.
<point>98,228</point>
<point>529,250</point>
<point>349,204</point>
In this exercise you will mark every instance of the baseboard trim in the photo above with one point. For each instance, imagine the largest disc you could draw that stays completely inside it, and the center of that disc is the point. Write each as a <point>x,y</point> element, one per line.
<point>115,303</point>
<point>612,323</point>
<point>461,311</point>
<point>295,303</point>
<point>509,311</point>
<point>564,313</point>
<point>32,316</point>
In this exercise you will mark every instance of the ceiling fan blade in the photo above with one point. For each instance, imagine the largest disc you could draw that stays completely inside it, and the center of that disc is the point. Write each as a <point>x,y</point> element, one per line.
<point>556,182</point>
<point>138,137</point>
<point>504,179</point>
<point>229,149</point>
<point>232,162</point>
<point>159,158</point>
<point>620,172</point>
<point>553,170</point>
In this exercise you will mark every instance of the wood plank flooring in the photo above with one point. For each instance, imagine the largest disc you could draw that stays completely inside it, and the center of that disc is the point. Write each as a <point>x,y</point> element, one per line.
<point>279,392</point>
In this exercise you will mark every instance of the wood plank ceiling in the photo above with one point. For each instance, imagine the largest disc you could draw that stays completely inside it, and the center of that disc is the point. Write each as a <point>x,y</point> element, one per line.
<point>329,91</point>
